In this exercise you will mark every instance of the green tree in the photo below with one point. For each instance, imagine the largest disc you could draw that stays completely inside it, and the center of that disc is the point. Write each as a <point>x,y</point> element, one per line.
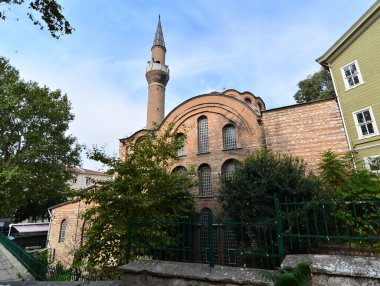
<point>143,189</point>
<point>50,12</point>
<point>343,181</point>
<point>315,87</point>
<point>35,150</point>
<point>248,194</point>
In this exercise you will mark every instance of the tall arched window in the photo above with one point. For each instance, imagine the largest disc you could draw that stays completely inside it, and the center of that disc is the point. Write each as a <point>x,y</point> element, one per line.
<point>84,232</point>
<point>204,236</point>
<point>62,231</point>
<point>205,183</point>
<point>202,134</point>
<point>181,151</point>
<point>179,170</point>
<point>229,137</point>
<point>247,101</point>
<point>228,168</point>
<point>204,215</point>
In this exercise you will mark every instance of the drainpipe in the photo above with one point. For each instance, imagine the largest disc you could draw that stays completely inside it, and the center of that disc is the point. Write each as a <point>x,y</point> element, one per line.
<point>341,114</point>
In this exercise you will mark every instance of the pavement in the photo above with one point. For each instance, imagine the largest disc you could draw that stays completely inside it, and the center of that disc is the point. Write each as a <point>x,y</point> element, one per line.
<point>11,269</point>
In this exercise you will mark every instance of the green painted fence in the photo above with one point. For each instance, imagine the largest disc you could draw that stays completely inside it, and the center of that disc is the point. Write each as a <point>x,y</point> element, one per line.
<point>33,265</point>
<point>321,226</point>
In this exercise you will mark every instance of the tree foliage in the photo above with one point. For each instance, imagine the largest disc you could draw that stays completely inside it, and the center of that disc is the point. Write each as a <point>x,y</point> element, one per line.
<point>34,148</point>
<point>343,181</point>
<point>315,87</point>
<point>50,12</point>
<point>248,194</point>
<point>143,189</point>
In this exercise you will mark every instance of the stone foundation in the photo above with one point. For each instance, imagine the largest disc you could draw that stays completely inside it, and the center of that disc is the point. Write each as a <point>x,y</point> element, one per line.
<point>334,270</point>
<point>164,273</point>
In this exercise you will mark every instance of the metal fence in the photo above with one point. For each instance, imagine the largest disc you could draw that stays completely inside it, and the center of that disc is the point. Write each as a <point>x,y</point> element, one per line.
<point>322,226</point>
<point>331,227</point>
<point>35,267</point>
<point>39,269</point>
<point>249,244</point>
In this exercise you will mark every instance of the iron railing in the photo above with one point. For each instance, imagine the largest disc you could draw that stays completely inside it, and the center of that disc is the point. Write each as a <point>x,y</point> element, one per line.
<point>320,226</point>
<point>35,267</point>
<point>331,227</point>
<point>39,269</point>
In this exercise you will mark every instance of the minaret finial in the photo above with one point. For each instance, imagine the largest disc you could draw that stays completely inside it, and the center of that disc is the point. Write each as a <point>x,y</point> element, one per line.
<point>159,37</point>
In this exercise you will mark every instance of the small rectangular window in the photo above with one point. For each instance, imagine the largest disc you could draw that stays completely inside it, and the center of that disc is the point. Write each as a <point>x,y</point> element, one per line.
<point>365,123</point>
<point>372,163</point>
<point>351,75</point>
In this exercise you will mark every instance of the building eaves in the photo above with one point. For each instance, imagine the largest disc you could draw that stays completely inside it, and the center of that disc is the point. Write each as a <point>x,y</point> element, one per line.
<point>351,34</point>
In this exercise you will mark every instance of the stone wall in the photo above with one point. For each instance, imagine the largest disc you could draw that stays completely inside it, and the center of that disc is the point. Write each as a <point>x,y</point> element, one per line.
<point>154,272</point>
<point>332,270</point>
<point>337,270</point>
<point>305,130</point>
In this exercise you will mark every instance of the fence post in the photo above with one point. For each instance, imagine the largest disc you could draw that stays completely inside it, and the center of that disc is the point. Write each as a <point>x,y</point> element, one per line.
<point>210,251</point>
<point>280,239</point>
<point>129,237</point>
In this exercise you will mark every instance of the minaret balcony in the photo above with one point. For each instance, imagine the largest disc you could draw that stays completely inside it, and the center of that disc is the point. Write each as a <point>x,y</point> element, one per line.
<point>151,66</point>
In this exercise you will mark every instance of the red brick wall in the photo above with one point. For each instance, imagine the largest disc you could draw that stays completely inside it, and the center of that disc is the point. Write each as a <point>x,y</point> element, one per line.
<point>305,130</point>
<point>219,110</point>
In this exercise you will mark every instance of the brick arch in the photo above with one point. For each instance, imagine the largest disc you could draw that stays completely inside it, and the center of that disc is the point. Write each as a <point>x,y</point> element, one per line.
<point>232,109</point>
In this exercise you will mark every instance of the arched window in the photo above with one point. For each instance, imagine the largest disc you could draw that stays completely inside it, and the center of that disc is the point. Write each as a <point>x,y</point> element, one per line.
<point>228,168</point>
<point>62,231</point>
<point>229,137</point>
<point>84,232</point>
<point>247,101</point>
<point>204,215</point>
<point>205,183</point>
<point>204,236</point>
<point>181,151</point>
<point>202,134</point>
<point>179,170</point>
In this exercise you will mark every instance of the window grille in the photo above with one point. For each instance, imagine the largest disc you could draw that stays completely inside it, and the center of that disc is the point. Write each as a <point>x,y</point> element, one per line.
<point>205,183</point>
<point>247,101</point>
<point>228,168</point>
<point>203,219</point>
<point>62,232</point>
<point>179,170</point>
<point>203,135</point>
<point>229,137</point>
<point>181,151</point>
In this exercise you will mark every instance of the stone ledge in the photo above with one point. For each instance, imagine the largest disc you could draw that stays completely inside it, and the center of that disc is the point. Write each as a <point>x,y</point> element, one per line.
<point>339,265</point>
<point>197,272</point>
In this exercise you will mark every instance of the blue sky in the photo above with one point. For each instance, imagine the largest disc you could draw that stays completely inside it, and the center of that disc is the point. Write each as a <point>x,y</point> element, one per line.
<point>262,46</point>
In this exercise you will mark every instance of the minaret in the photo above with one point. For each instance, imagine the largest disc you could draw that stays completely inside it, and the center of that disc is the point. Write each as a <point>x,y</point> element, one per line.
<point>157,75</point>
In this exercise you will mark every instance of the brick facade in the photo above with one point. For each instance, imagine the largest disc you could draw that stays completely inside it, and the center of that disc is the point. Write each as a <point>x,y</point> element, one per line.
<point>302,130</point>
<point>305,130</point>
<point>63,252</point>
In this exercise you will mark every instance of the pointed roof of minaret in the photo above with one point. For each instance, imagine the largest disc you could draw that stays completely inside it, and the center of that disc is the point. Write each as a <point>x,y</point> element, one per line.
<point>159,37</point>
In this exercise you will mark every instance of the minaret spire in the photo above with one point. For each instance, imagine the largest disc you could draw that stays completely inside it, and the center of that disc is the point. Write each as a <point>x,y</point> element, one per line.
<point>159,37</point>
<point>157,75</point>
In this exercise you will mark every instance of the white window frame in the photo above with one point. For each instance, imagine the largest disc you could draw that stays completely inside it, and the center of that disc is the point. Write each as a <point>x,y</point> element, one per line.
<point>359,74</point>
<point>358,129</point>
<point>367,163</point>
